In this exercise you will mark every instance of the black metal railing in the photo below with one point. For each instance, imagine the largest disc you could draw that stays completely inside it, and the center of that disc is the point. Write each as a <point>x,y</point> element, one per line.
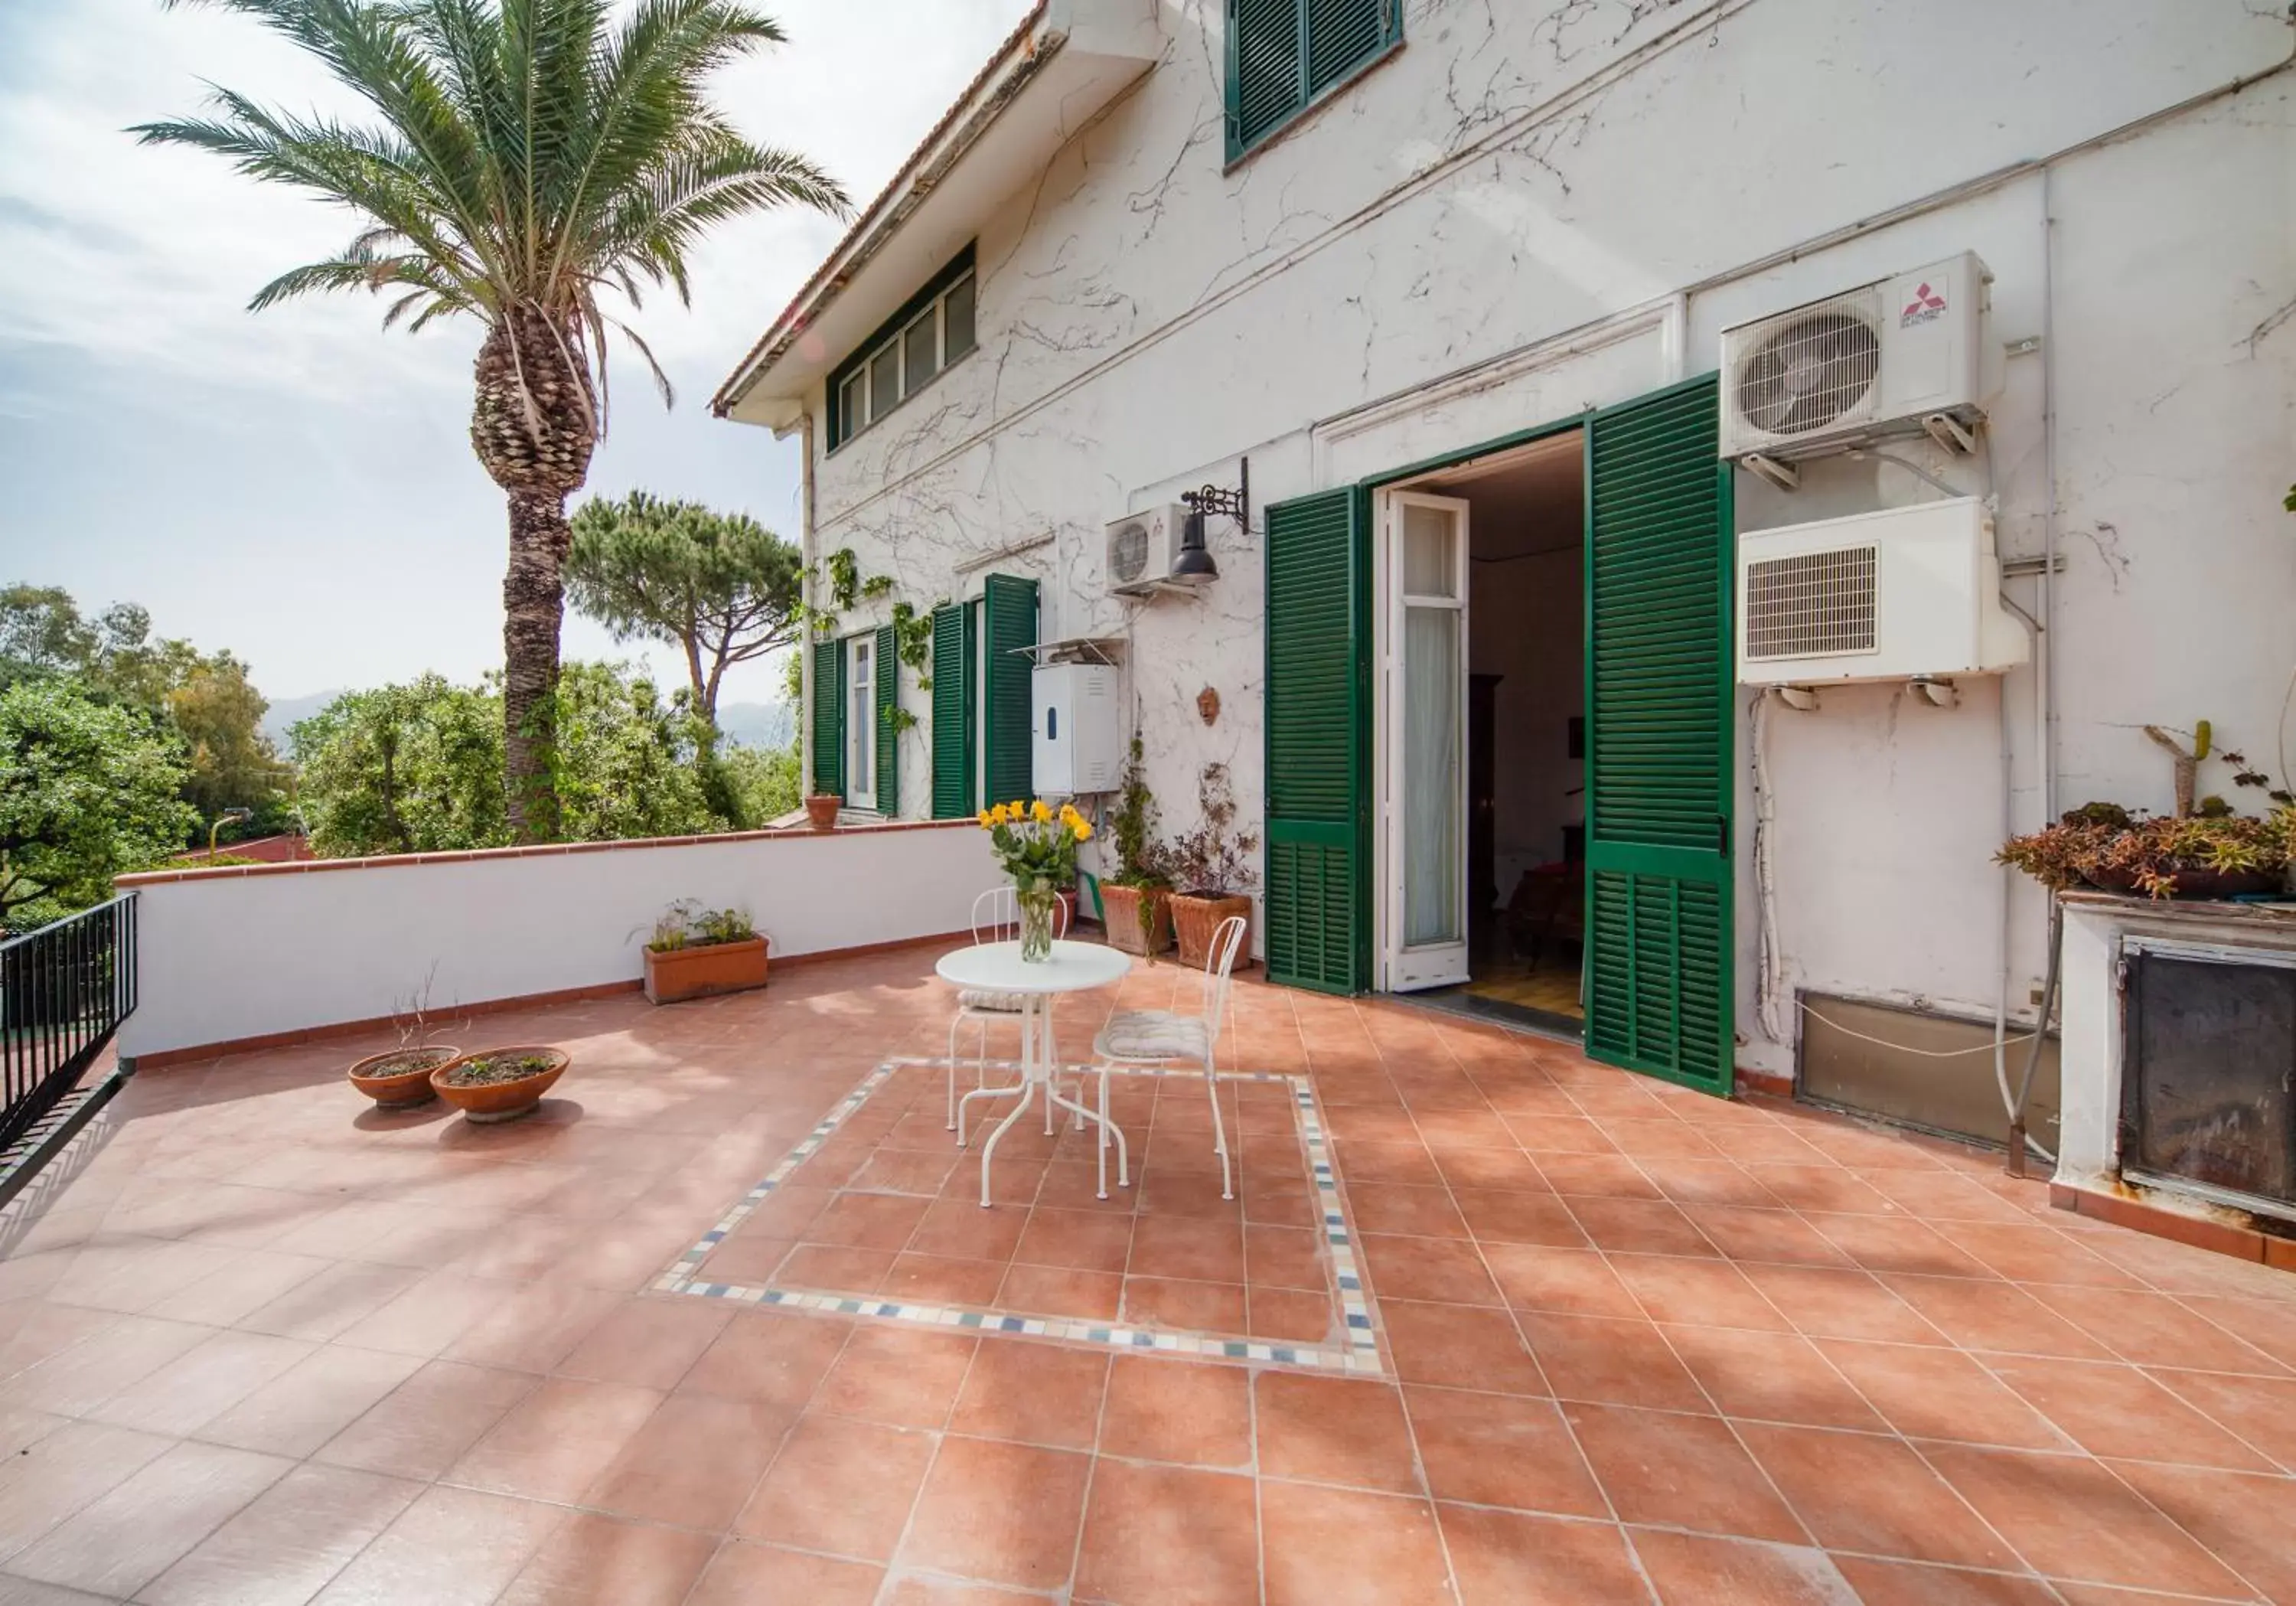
<point>64,989</point>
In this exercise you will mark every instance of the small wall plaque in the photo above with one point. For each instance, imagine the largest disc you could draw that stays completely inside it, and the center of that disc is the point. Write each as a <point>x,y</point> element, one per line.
<point>1208,704</point>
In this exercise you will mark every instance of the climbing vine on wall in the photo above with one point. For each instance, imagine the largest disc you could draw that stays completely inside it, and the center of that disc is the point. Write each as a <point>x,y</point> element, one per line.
<point>912,627</point>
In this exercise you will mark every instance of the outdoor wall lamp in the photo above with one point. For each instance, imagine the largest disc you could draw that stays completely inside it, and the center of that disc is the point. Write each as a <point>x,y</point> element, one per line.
<point>1195,565</point>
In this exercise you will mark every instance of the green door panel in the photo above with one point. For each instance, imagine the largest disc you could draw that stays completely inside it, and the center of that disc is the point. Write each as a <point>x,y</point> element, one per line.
<point>1318,713</point>
<point>888,684</point>
<point>829,716</point>
<point>1659,678</point>
<point>953,739</point>
<point>1009,615</point>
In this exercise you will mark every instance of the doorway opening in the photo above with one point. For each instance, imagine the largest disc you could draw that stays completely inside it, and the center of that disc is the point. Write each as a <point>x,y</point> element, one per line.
<point>1482,734</point>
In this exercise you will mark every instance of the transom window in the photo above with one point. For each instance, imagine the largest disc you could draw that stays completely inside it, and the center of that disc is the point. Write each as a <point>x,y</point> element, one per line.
<point>1283,56</point>
<point>906,353</point>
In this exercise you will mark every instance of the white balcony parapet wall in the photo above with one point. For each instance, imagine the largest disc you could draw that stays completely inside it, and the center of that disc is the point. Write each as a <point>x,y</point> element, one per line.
<point>230,954</point>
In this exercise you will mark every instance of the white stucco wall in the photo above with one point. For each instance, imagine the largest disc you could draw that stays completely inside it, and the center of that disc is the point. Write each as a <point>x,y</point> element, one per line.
<point>228,954</point>
<point>1535,209</point>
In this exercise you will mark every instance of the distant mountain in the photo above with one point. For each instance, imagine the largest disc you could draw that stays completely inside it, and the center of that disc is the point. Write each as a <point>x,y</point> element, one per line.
<point>757,724</point>
<point>284,712</point>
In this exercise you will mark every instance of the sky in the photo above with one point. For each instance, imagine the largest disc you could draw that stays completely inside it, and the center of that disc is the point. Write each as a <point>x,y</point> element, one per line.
<point>297,486</point>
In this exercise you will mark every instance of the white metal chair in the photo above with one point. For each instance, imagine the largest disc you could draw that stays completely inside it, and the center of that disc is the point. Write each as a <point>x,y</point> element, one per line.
<point>1160,1037</point>
<point>996,919</point>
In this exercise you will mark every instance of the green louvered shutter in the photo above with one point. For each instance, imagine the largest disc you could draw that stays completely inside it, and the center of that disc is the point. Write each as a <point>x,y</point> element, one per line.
<point>888,684</point>
<point>1659,733</point>
<point>1009,617</point>
<point>829,716</point>
<point>1318,652</point>
<point>1283,53</point>
<point>953,791</point>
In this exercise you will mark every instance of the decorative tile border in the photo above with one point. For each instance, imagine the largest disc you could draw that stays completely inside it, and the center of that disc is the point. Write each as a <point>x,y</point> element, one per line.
<point>1360,1353</point>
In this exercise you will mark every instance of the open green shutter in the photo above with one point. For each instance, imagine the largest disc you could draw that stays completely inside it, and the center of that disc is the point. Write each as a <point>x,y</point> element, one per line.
<point>1318,652</point>
<point>1659,734</point>
<point>889,739</point>
<point>829,716</point>
<point>1009,615</point>
<point>953,789</point>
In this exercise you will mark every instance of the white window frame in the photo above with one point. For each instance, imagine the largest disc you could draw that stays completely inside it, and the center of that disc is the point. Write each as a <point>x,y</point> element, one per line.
<point>861,720</point>
<point>861,383</point>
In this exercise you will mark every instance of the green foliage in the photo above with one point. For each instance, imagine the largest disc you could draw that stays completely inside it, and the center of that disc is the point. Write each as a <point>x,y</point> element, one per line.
<point>2089,847</point>
<point>1141,860</point>
<point>719,587</point>
<point>417,768</point>
<point>529,154</point>
<point>206,698</point>
<point>408,769</point>
<point>686,924</point>
<point>625,762</point>
<point>89,789</point>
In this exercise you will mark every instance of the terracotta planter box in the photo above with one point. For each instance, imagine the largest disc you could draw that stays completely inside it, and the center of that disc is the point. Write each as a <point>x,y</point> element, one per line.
<point>1195,919</point>
<point>1122,906</point>
<point>491,1101</point>
<point>704,970</point>
<point>821,811</point>
<point>400,1089</point>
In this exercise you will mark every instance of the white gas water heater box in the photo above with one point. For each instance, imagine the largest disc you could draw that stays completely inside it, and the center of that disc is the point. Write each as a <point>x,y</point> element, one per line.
<point>1076,748</point>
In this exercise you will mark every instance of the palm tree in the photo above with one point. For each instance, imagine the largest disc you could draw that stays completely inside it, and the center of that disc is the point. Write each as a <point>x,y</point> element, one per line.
<point>533,158</point>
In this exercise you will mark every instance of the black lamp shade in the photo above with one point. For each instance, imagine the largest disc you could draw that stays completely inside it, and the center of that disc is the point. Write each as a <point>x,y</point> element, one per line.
<point>1195,565</point>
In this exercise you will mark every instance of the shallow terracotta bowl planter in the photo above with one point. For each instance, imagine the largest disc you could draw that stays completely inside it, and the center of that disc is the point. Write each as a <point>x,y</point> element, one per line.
<point>490,1101</point>
<point>401,1089</point>
<point>704,970</point>
<point>1195,919</point>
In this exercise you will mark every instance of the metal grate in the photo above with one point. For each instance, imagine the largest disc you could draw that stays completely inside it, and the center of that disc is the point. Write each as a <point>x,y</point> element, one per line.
<point>1812,605</point>
<point>1127,552</point>
<point>1813,368</point>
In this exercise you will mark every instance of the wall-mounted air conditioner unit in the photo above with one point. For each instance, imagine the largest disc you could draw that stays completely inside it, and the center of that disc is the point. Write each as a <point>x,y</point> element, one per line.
<point>1879,359</point>
<point>1910,593</point>
<point>1142,547</point>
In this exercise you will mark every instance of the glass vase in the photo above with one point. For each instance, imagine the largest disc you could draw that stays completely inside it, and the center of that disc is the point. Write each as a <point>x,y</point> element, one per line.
<point>1035,907</point>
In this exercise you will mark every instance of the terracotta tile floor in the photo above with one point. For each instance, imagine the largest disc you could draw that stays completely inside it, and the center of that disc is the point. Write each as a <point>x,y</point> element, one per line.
<point>258,1344</point>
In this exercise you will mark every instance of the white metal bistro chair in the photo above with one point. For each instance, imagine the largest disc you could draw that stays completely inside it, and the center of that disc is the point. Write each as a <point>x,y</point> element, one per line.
<point>1160,1037</point>
<point>996,919</point>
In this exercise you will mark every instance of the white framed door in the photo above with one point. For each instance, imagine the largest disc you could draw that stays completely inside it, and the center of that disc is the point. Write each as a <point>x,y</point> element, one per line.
<point>1423,741</point>
<point>861,722</point>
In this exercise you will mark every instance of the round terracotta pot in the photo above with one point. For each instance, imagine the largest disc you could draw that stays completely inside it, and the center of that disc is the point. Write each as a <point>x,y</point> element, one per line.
<point>400,1089</point>
<point>821,811</point>
<point>501,1100</point>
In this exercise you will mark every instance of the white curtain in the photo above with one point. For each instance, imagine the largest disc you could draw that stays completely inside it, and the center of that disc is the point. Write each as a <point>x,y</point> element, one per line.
<point>1431,781</point>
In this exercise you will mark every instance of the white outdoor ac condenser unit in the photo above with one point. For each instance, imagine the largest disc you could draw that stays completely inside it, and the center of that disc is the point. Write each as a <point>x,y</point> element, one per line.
<point>1908,593</point>
<point>1141,548</point>
<point>1874,360</point>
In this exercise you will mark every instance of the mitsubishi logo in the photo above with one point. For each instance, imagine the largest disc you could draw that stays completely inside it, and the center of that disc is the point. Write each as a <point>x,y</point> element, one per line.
<point>1927,304</point>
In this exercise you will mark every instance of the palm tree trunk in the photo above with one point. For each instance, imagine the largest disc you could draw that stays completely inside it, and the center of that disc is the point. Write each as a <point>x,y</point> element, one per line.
<point>534,605</point>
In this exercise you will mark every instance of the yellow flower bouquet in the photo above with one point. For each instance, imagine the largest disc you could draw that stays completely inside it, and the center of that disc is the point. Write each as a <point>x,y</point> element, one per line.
<point>1036,844</point>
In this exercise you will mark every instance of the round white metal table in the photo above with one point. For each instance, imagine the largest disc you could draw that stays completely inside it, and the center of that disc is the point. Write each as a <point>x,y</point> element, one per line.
<point>1072,968</point>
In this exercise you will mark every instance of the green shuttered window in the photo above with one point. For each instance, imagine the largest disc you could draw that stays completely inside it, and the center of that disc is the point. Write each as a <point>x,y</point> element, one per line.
<point>1009,618</point>
<point>1318,646</point>
<point>829,716</point>
<point>1284,55</point>
<point>954,792</point>
<point>1659,730</point>
<point>888,684</point>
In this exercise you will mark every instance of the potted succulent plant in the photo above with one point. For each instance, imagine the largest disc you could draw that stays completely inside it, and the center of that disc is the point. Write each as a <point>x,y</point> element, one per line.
<point>1211,869</point>
<point>400,1078</point>
<point>697,952</point>
<point>1134,898</point>
<point>2206,849</point>
<point>500,1085</point>
<point>821,811</point>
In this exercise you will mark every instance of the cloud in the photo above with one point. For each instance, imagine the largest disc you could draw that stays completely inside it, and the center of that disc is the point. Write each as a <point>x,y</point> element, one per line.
<point>296,485</point>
